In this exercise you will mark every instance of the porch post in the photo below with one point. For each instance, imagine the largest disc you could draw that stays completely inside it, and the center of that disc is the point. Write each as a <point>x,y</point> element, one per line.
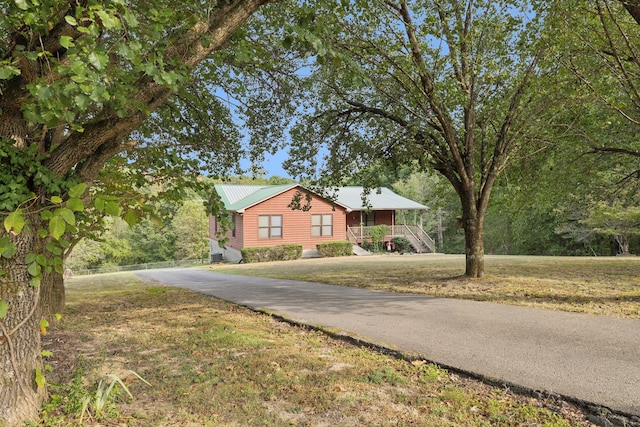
<point>393,223</point>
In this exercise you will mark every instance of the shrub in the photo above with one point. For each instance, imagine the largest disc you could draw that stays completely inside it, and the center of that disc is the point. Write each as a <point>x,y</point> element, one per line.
<point>377,234</point>
<point>272,253</point>
<point>370,246</point>
<point>402,244</point>
<point>331,249</point>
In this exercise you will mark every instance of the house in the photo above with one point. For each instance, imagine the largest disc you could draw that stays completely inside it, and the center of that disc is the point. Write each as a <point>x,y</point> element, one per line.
<point>262,215</point>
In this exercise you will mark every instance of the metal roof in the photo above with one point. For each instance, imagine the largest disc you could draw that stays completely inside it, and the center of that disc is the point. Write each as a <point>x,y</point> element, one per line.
<point>237,198</point>
<point>377,199</point>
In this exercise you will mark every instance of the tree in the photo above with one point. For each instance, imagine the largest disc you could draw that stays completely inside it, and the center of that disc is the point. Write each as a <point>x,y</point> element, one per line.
<point>615,220</point>
<point>77,78</point>
<point>600,47</point>
<point>459,87</point>
<point>191,225</point>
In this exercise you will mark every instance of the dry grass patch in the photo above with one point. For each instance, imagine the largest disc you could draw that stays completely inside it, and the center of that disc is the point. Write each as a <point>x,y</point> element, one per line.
<point>211,363</point>
<point>602,285</point>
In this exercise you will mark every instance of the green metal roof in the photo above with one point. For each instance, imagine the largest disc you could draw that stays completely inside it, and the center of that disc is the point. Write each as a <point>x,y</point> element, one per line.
<point>378,199</point>
<point>237,198</point>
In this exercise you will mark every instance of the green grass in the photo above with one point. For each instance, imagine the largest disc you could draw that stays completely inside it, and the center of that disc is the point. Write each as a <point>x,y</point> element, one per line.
<point>211,363</point>
<point>596,285</point>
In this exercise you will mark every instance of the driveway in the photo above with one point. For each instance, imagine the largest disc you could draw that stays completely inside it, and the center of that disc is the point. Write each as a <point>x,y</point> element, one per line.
<point>595,359</point>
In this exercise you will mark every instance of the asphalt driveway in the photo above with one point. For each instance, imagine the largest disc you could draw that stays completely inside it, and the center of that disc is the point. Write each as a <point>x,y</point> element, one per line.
<point>589,358</point>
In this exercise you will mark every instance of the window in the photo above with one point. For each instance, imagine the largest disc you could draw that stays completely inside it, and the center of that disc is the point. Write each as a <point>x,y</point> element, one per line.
<point>269,226</point>
<point>322,225</point>
<point>370,219</point>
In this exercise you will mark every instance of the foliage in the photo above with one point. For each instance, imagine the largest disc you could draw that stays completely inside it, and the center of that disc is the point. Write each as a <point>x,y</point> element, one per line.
<point>402,244</point>
<point>76,401</point>
<point>77,80</point>
<point>333,249</point>
<point>272,253</point>
<point>377,234</point>
<point>455,87</point>
<point>191,226</point>
<point>615,220</point>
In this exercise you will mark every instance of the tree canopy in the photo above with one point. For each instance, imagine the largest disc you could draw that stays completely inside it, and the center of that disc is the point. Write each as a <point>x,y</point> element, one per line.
<point>459,87</point>
<point>77,78</point>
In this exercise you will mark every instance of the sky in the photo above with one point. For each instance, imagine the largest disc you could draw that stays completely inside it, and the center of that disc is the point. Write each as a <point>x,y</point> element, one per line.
<point>272,164</point>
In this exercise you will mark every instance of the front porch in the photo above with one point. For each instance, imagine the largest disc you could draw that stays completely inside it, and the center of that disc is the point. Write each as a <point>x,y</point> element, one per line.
<point>420,240</point>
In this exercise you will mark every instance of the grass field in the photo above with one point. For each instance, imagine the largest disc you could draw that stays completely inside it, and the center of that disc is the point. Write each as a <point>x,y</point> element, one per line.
<point>210,363</point>
<point>597,285</point>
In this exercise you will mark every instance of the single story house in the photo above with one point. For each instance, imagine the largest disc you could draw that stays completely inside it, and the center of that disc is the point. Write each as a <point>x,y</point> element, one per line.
<point>263,215</point>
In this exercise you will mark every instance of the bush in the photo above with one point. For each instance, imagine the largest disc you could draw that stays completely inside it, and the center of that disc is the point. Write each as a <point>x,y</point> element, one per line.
<point>272,253</point>
<point>331,249</point>
<point>370,246</point>
<point>402,244</point>
<point>378,232</point>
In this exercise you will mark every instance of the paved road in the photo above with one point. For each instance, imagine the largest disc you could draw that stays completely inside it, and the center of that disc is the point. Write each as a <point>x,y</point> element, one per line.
<point>591,358</point>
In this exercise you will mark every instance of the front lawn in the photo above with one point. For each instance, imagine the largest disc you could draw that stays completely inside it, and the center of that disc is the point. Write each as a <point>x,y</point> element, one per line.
<point>210,363</point>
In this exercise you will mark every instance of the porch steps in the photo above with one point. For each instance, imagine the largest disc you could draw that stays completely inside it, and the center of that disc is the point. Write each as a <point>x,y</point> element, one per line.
<point>419,245</point>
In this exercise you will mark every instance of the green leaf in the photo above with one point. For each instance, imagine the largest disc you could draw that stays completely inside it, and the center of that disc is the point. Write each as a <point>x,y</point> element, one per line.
<point>131,217</point>
<point>112,209</point>
<point>77,190</point>
<point>7,72</point>
<point>41,259</point>
<point>46,353</point>
<point>22,4</point>
<point>15,221</point>
<point>99,204</point>
<point>109,21</point>
<point>34,269</point>
<point>53,248</point>
<point>39,377</point>
<point>57,227</point>
<point>75,205</point>
<point>67,215</point>
<point>71,20</point>
<point>4,307</point>
<point>56,199</point>
<point>7,248</point>
<point>35,282</point>
<point>66,42</point>
<point>98,60</point>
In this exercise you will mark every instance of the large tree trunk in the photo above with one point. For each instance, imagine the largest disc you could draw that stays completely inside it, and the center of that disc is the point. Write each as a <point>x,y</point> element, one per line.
<point>52,297</point>
<point>473,213</point>
<point>473,246</point>
<point>20,396</point>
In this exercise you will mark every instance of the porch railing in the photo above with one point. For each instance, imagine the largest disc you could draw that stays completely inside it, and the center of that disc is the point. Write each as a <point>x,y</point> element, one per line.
<point>416,235</point>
